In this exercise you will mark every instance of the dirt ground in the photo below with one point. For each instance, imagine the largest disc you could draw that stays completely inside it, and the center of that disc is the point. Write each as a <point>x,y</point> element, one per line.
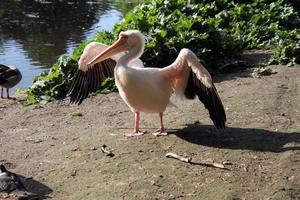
<point>61,150</point>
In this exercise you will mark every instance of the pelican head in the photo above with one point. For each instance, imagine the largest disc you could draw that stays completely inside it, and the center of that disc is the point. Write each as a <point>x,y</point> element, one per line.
<point>132,41</point>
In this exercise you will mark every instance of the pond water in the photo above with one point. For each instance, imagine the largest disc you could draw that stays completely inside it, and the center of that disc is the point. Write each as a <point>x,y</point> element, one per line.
<point>34,33</point>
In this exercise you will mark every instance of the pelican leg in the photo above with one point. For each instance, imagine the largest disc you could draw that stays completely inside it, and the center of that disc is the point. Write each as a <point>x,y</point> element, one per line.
<point>4,196</point>
<point>136,131</point>
<point>161,131</point>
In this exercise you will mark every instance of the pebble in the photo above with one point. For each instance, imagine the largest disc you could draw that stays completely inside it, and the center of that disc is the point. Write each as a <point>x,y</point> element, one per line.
<point>93,148</point>
<point>74,173</point>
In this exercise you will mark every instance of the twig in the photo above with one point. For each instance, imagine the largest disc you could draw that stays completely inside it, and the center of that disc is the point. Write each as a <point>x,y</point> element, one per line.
<point>189,160</point>
<point>178,157</point>
<point>106,151</point>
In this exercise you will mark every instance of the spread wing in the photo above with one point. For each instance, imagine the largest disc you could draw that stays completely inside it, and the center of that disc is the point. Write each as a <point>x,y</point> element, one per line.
<point>88,78</point>
<point>88,81</point>
<point>191,79</point>
<point>209,97</point>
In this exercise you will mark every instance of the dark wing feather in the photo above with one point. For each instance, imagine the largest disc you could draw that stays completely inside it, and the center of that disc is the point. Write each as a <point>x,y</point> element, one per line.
<point>5,73</point>
<point>3,68</point>
<point>2,80</point>
<point>86,82</point>
<point>209,97</point>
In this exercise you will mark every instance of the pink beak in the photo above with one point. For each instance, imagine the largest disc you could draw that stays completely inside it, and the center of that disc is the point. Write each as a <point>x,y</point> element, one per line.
<point>117,47</point>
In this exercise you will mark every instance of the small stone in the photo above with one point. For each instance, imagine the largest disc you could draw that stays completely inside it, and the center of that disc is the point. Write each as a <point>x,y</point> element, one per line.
<point>291,178</point>
<point>38,141</point>
<point>74,173</point>
<point>227,163</point>
<point>93,148</point>
<point>75,149</point>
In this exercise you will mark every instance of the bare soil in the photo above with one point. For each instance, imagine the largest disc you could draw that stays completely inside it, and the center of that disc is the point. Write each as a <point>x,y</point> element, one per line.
<point>59,145</point>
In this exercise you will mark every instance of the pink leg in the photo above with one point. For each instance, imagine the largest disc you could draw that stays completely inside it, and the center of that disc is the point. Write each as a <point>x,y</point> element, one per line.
<point>161,131</point>
<point>136,131</point>
<point>4,196</point>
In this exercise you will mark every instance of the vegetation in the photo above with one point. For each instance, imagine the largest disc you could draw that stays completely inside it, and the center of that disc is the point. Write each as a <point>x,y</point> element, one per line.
<point>76,114</point>
<point>262,71</point>
<point>216,31</point>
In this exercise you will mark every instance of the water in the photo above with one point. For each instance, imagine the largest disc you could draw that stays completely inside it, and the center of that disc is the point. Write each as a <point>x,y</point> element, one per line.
<point>34,34</point>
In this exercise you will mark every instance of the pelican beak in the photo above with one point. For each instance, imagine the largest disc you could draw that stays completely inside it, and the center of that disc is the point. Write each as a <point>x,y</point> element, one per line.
<point>118,46</point>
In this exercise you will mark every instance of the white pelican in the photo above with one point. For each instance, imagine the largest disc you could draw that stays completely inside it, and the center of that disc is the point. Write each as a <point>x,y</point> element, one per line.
<point>9,77</point>
<point>145,89</point>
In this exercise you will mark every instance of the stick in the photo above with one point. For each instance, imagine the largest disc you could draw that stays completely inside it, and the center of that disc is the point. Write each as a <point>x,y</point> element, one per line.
<point>181,158</point>
<point>106,151</point>
<point>189,160</point>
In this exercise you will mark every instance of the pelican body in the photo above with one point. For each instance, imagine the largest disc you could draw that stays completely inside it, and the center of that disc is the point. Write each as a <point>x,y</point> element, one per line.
<point>145,89</point>
<point>9,77</point>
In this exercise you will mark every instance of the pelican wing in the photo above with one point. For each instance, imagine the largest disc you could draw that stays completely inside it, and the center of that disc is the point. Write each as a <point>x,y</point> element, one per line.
<point>191,79</point>
<point>88,78</point>
<point>209,97</point>
<point>88,81</point>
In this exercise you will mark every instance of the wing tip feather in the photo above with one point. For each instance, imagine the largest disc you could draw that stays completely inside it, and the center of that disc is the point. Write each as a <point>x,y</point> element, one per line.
<point>86,82</point>
<point>209,97</point>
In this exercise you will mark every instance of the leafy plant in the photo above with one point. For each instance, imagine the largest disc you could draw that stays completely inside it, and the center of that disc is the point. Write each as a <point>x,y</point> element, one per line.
<point>216,30</point>
<point>262,71</point>
<point>76,114</point>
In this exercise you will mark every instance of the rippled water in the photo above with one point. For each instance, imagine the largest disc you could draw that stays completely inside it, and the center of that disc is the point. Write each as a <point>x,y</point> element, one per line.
<point>33,35</point>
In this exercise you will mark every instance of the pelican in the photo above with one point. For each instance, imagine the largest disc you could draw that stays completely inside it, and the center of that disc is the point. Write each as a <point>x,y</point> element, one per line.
<point>9,77</point>
<point>145,90</point>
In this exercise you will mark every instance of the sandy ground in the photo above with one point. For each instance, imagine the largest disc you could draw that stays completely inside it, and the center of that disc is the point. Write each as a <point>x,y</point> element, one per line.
<point>61,151</point>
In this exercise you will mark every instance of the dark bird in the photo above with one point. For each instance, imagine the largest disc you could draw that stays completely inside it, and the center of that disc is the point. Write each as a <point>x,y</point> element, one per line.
<point>9,77</point>
<point>145,90</point>
<point>11,185</point>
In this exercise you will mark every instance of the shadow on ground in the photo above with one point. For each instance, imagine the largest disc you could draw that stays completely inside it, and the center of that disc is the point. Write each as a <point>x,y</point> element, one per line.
<point>239,138</point>
<point>33,186</point>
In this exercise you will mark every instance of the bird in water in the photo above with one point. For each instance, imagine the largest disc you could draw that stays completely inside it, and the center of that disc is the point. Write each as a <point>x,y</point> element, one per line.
<point>9,77</point>
<point>145,90</point>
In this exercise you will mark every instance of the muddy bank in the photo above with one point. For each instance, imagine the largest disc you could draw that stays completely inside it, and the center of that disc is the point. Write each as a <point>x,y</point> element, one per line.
<point>61,150</point>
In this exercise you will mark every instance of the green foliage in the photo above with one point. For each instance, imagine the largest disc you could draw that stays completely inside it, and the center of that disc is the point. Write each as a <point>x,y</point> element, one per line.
<point>172,25</point>
<point>76,114</point>
<point>215,30</point>
<point>262,71</point>
<point>54,83</point>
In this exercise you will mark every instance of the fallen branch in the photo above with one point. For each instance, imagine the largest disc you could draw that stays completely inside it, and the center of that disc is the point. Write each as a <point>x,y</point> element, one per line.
<point>106,151</point>
<point>189,160</point>
<point>178,157</point>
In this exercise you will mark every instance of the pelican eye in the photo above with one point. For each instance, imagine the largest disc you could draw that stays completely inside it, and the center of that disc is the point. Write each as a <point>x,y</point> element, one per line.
<point>123,36</point>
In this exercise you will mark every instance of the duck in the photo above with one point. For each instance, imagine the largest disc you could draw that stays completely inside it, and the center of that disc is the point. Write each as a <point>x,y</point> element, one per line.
<point>10,76</point>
